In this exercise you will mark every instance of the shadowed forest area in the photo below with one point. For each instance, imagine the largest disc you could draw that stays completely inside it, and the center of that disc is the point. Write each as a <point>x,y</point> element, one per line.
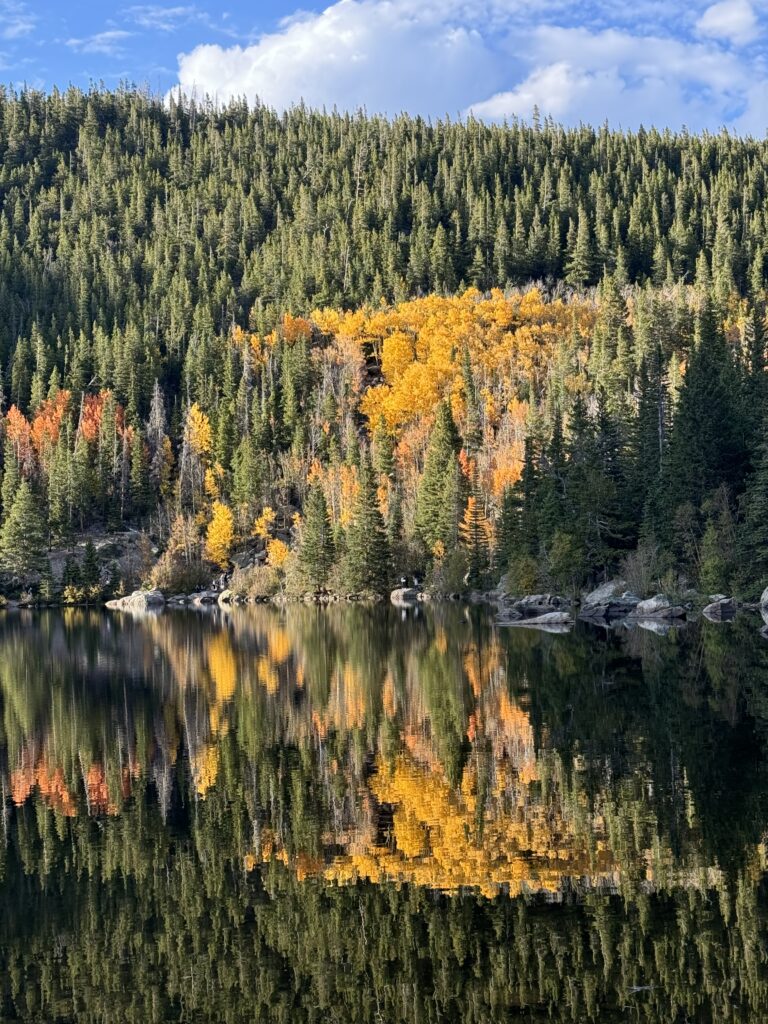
<point>221,816</point>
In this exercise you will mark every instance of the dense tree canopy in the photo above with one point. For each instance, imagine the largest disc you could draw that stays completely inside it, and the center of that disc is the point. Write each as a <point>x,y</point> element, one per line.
<point>203,309</point>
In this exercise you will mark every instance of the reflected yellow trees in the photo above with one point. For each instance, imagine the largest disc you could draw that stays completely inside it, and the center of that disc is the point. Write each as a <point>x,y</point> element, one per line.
<point>366,745</point>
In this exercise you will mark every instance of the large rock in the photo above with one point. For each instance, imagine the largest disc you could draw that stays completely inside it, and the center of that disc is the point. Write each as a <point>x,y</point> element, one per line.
<point>603,594</point>
<point>611,608</point>
<point>138,601</point>
<point>764,598</point>
<point>549,622</point>
<point>205,597</point>
<point>658,607</point>
<point>540,604</point>
<point>405,597</point>
<point>722,610</point>
<point>508,616</point>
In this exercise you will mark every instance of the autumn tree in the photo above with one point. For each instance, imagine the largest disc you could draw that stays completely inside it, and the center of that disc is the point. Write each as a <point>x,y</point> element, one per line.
<point>475,534</point>
<point>220,534</point>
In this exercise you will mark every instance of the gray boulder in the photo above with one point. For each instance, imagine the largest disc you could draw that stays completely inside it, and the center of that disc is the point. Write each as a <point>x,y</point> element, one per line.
<point>611,608</point>
<point>603,594</point>
<point>138,601</point>
<point>205,597</point>
<point>722,609</point>
<point>658,607</point>
<point>764,598</point>
<point>549,622</point>
<point>405,597</point>
<point>508,616</point>
<point>540,604</point>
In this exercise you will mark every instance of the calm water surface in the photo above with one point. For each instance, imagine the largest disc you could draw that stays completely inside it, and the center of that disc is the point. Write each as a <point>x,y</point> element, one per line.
<point>353,815</point>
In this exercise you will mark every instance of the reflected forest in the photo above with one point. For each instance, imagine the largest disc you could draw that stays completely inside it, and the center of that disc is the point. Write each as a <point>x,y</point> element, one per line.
<point>350,814</point>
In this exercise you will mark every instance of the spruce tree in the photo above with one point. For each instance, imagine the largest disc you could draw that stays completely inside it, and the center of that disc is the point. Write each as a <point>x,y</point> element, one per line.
<point>383,449</point>
<point>11,476</point>
<point>22,536</point>
<point>708,442</point>
<point>316,550</point>
<point>367,547</point>
<point>753,529</point>
<point>140,496</point>
<point>441,450</point>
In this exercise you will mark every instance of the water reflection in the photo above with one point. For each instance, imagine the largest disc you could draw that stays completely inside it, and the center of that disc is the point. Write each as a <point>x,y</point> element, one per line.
<point>194,774</point>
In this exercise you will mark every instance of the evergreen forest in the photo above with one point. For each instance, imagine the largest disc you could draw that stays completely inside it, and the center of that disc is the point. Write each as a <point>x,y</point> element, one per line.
<point>364,348</point>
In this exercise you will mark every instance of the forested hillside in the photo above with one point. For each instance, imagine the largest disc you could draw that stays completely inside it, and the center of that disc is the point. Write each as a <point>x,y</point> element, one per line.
<point>371,347</point>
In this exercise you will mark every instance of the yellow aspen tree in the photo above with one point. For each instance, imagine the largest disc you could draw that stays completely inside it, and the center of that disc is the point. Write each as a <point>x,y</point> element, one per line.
<point>220,535</point>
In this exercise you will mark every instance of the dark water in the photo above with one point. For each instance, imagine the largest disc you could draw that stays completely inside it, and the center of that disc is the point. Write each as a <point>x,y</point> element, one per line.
<point>347,815</point>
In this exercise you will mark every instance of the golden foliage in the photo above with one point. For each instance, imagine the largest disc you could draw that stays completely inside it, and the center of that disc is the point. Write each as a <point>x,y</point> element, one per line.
<point>220,534</point>
<point>199,431</point>
<point>223,666</point>
<point>277,552</point>
<point>264,523</point>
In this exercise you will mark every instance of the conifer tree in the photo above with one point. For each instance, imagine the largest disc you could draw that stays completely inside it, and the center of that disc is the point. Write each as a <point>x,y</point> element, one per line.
<point>580,262</point>
<point>442,449</point>
<point>140,496</point>
<point>367,547</point>
<point>11,476</point>
<point>90,572</point>
<point>383,450</point>
<point>316,549</point>
<point>708,442</point>
<point>753,529</point>
<point>22,536</point>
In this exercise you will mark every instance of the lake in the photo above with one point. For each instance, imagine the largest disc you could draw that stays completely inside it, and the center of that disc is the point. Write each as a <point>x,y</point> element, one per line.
<point>358,815</point>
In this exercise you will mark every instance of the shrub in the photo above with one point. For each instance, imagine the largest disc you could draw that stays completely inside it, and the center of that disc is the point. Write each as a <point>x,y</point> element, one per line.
<point>257,582</point>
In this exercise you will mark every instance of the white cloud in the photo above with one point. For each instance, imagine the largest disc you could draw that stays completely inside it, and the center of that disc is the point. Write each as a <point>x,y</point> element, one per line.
<point>355,53</point>
<point>733,20</point>
<point>108,43</point>
<point>627,79</point>
<point>162,19</point>
<point>16,20</point>
<point>158,18</point>
<point>631,64</point>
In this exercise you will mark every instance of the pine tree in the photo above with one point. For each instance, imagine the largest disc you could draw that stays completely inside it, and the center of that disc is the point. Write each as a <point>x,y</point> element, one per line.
<point>441,450</point>
<point>140,496</point>
<point>91,571</point>
<point>708,442</point>
<point>316,550</point>
<point>367,547</point>
<point>473,430</point>
<point>580,262</point>
<point>383,450</point>
<point>11,476</point>
<point>450,508</point>
<point>22,536</point>
<point>753,529</point>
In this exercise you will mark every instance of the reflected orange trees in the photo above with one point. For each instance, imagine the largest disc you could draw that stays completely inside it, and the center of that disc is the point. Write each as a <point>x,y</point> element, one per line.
<point>361,744</point>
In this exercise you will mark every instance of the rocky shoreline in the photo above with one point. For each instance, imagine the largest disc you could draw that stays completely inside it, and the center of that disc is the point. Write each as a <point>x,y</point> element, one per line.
<point>610,605</point>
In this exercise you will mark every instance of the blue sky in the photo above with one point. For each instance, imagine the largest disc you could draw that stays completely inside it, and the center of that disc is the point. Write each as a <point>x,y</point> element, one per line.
<point>662,62</point>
